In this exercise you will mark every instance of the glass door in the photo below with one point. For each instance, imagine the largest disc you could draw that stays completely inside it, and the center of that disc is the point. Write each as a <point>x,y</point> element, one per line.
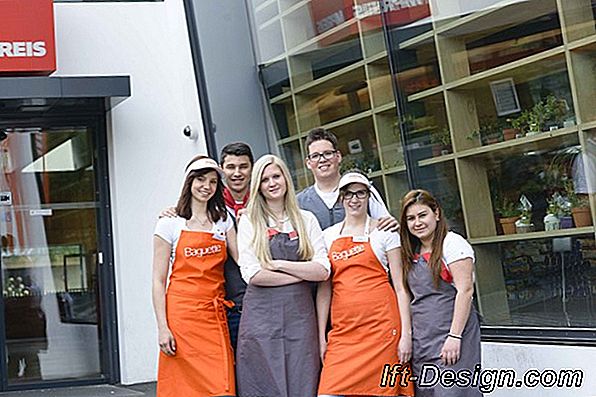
<point>50,254</point>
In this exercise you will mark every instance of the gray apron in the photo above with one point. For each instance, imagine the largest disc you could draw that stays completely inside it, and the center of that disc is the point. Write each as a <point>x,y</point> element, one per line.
<point>278,349</point>
<point>432,313</point>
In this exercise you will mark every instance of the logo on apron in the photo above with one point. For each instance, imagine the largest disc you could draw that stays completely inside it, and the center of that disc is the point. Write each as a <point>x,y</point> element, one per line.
<point>346,254</point>
<point>202,251</point>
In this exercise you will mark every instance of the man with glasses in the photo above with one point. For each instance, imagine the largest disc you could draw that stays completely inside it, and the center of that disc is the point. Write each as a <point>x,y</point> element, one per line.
<point>324,161</point>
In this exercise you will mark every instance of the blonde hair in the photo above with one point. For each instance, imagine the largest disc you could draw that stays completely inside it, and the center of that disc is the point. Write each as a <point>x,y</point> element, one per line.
<point>258,211</point>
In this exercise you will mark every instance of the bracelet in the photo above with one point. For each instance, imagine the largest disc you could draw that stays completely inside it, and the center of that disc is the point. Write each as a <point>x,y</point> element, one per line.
<point>454,336</point>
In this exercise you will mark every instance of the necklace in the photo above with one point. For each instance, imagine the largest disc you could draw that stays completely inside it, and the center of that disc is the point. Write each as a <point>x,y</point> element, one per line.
<point>202,223</point>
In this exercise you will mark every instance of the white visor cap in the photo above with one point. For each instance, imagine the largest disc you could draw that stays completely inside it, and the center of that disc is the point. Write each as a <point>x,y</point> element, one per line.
<point>204,163</point>
<point>353,177</point>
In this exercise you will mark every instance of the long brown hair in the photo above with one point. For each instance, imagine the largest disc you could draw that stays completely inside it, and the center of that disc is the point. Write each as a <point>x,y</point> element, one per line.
<point>216,207</point>
<point>411,244</point>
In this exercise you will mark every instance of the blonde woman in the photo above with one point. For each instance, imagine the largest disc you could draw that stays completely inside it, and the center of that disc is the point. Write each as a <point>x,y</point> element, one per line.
<point>282,251</point>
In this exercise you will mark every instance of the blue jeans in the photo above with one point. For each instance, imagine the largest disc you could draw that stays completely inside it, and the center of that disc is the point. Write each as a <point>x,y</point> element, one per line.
<point>233,323</point>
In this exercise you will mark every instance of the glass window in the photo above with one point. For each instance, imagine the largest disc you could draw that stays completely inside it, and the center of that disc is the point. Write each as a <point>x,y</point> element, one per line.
<point>488,104</point>
<point>48,258</point>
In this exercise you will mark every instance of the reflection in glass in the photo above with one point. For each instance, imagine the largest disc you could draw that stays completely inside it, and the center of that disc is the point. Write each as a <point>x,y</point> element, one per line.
<point>48,254</point>
<point>541,283</point>
<point>293,157</point>
<point>358,146</point>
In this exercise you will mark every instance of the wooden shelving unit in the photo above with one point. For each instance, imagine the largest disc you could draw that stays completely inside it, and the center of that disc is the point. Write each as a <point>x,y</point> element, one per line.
<point>339,78</point>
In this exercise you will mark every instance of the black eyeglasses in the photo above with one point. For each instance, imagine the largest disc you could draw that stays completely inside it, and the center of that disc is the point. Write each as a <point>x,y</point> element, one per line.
<point>360,194</point>
<point>327,155</point>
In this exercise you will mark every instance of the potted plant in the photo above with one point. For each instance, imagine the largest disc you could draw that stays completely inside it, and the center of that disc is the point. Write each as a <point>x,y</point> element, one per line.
<point>488,131</point>
<point>510,131</point>
<point>509,213</point>
<point>580,206</point>
<point>441,141</point>
<point>554,111</point>
<point>524,223</point>
<point>551,220</point>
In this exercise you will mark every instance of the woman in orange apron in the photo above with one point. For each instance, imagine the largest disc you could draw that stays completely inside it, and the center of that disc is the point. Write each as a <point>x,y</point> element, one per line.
<point>367,350</point>
<point>282,252</point>
<point>196,358</point>
<point>439,270</point>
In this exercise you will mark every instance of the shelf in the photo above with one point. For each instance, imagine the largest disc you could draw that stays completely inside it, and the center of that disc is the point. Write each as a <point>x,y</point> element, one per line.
<point>334,77</point>
<point>436,160</point>
<point>264,5</point>
<point>503,13</point>
<point>543,140</point>
<point>503,71</point>
<point>587,126</point>
<point>395,170</point>
<point>417,41</point>
<point>533,235</point>
<point>384,108</point>
<point>269,22</point>
<point>344,121</point>
<point>589,42</point>
<point>287,140</point>
<point>425,94</point>
<point>315,40</point>
<point>281,98</point>
<point>375,174</point>
<point>294,7</point>
<point>377,57</point>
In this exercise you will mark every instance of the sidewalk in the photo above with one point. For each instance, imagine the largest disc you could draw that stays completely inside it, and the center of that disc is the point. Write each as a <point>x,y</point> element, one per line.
<point>138,390</point>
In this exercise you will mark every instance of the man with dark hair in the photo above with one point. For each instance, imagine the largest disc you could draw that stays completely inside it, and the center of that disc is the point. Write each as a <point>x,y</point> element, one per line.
<point>236,160</point>
<point>324,159</point>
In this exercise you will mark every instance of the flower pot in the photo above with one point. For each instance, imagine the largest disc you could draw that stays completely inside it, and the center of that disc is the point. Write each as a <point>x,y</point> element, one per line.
<point>551,222</point>
<point>441,150</point>
<point>523,227</point>
<point>582,216</point>
<point>566,222</point>
<point>510,133</point>
<point>508,224</point>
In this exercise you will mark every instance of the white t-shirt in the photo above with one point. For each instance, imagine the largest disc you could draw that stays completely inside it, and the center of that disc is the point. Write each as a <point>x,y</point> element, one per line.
<point>169,229</point>
<point>380,241</point>
<point>456,248</point>
<point>248,262</point>
<point>376,206</point>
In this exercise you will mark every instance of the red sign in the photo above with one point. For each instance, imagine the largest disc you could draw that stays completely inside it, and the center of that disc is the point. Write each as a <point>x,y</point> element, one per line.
<point>27,45</point>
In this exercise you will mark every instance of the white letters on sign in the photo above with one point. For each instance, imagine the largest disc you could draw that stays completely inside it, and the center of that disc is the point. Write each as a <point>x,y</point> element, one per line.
<point>22,49</point>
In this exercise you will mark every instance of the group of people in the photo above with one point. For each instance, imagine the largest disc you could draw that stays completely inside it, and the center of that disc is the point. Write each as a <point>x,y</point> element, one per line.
<point>273,293</point>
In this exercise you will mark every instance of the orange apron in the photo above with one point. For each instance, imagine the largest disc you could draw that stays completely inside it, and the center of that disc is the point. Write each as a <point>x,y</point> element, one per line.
<point>195,309</point>
<point>365,324</point>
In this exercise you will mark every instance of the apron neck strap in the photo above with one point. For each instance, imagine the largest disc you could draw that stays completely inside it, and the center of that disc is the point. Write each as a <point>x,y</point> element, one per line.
<point>366,227</point>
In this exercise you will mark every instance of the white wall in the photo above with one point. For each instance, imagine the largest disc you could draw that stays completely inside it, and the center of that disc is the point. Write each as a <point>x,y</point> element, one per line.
<point>521,358</point>
<point>149,42</point>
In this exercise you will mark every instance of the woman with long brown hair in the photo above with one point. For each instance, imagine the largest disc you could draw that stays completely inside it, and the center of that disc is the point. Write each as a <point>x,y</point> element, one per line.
<point>196,358</point>
<point>438,268</point>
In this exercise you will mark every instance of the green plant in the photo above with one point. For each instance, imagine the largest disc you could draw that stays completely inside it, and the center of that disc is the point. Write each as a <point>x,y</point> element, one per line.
<point>554,110</point>
<point>489,131</point>
<point>441,137</point>
<point>576,200</point>
<point>549,110</point>
<point>508,208</point>
<point>520,122</point>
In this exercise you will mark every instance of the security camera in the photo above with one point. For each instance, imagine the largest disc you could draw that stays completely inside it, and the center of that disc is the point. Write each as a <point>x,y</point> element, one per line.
<point>190,133</point>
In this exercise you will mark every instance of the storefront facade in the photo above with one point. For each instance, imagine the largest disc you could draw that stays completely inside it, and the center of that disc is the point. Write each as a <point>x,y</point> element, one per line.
<point>84,172</point>
<point>491,105</point>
